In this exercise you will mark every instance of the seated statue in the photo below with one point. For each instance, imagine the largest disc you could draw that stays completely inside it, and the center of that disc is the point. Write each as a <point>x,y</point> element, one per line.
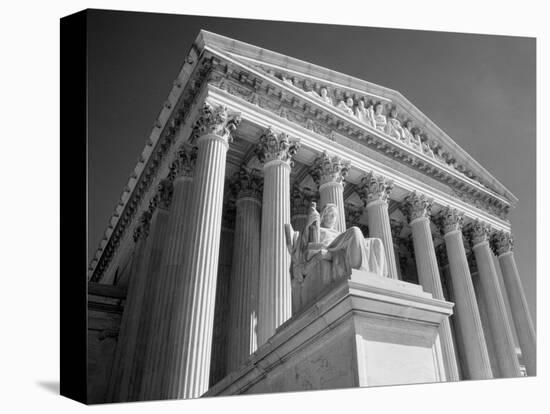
<point>321,255</point>
<point>365,115</point>
<point>324,96</point>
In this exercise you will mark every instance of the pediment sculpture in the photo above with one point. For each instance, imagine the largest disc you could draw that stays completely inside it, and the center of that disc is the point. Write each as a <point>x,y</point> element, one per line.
<point>321,255</point>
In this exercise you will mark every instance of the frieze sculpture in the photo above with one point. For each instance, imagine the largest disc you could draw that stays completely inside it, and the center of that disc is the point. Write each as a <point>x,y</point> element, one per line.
<point>379,118</point>
<point>346,106</point>
<point>393,126</point>
<point>321,255</point>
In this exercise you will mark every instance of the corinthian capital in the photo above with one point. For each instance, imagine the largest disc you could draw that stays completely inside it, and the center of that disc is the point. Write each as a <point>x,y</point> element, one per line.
<point>417,206</point>
<point>273,146</point>
<point>165,190</point>
<point>329,169</point>
<point>246,182</point>
<point>502,242</point>
<point>216,120</point>
<point>374,188</point>
<point>449,219</point>
<point>184,164</point>
<point>479,232</point>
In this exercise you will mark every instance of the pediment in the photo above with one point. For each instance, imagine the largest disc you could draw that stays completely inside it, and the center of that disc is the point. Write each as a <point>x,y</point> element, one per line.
<point>308,80</point>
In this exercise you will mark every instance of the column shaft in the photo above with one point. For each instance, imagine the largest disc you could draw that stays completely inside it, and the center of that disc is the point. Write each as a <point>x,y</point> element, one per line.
<point>194,295</point>
<point>243,311</point>
<point>473,338</point>
<point>333,192</point>
<point>379,226</point>
<point>429,278</point>
<point>496,312</point>
<point>520,311</point>
<point>170,267</point>
<point>275,305</point>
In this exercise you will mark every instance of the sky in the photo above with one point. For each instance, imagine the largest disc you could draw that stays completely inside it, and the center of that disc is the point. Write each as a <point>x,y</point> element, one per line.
<point>479,89</point>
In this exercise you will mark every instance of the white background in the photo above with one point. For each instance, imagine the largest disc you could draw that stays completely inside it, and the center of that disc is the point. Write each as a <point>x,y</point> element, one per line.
<point>29,231</point>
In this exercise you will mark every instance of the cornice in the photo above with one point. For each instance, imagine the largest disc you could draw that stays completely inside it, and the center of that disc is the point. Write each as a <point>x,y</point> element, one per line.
<point>287,101</point>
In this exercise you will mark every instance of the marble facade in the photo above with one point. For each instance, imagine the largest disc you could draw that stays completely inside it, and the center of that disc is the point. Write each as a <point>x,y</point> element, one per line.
<point>246,143</point>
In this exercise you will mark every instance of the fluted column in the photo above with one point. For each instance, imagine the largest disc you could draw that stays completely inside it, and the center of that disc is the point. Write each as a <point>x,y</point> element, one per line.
<point>193,317</point>
<point>467,312</point>
<point>418,209</point>
<point>496,311</point>
<point>275,152</point>
<point>244,283</point>
<point>157,353</point>
<point>329,173</point>
<point>503,244</point>
<point>375,191</point>
<point>124,354</point>
<point>158,232</point>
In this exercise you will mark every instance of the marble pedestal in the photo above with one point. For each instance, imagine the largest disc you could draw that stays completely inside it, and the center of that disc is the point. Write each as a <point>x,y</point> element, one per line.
<point>365,331</point>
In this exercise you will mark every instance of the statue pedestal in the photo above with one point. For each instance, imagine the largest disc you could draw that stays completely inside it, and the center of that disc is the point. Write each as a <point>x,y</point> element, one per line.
<point>366,331</point>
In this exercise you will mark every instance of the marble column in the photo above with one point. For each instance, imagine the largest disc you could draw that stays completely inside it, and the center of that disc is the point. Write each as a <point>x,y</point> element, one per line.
<point>418,210</point>
<point>275,151</point>
<point>194,295</point>
<point>157,350</point>
<point>132,307</point>
<point>466,309</point>
<point>244,282</point>
<point>496,311</point>
<point>503,244</point>
<point>329,173</point>
<point>375,191</point>
<point>157,235</point>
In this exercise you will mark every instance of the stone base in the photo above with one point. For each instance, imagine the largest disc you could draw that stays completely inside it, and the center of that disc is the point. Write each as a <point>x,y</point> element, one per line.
<point>366,331</point>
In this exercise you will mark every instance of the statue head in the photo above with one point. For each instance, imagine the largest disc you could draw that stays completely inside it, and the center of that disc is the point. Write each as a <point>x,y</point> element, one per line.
<point>378,108</point>
<point>329,216</point>
<point>362,104</point>
<point>349,102</point>
<point>324,92</point>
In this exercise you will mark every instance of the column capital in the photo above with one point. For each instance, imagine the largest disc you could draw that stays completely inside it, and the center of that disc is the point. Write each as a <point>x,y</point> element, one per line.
<point>449,219</point>
<point>165,190</point>
<point>329,169</point>
<point>301,198</point>
<point>276,147</point>
<point>417,206</point>
<point>142,229</point>
<point>374,188</point>
<point>184,163</point>
<point>216,120</point>
<point>246,182</point>
<point>478,232</point>
<point>502,242</point>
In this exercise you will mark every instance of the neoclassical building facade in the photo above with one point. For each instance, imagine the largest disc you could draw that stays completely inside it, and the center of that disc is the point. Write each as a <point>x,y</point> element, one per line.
<point>195,288</point>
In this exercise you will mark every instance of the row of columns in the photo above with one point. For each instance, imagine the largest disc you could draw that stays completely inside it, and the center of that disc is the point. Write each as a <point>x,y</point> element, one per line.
<point>179,318</point>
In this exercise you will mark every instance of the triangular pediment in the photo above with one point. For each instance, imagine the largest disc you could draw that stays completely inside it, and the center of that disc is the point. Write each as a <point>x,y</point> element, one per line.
<point>309,79</point>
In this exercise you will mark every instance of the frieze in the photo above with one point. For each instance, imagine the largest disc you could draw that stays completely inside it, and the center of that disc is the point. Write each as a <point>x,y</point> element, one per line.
<point>385,114</point>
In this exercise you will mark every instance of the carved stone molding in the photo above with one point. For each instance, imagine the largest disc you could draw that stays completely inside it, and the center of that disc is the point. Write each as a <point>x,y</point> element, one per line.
<point>246,182</point>
<point>184,163</point>
<point>374,188</point>
<point>329,169</point>
<point>215,120</point>
<point>301,198</point>
<point>142,229</point>
<point>449,219</point>
<point>276,146</point>
<point>502,242</point>
<point>416,206</point>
